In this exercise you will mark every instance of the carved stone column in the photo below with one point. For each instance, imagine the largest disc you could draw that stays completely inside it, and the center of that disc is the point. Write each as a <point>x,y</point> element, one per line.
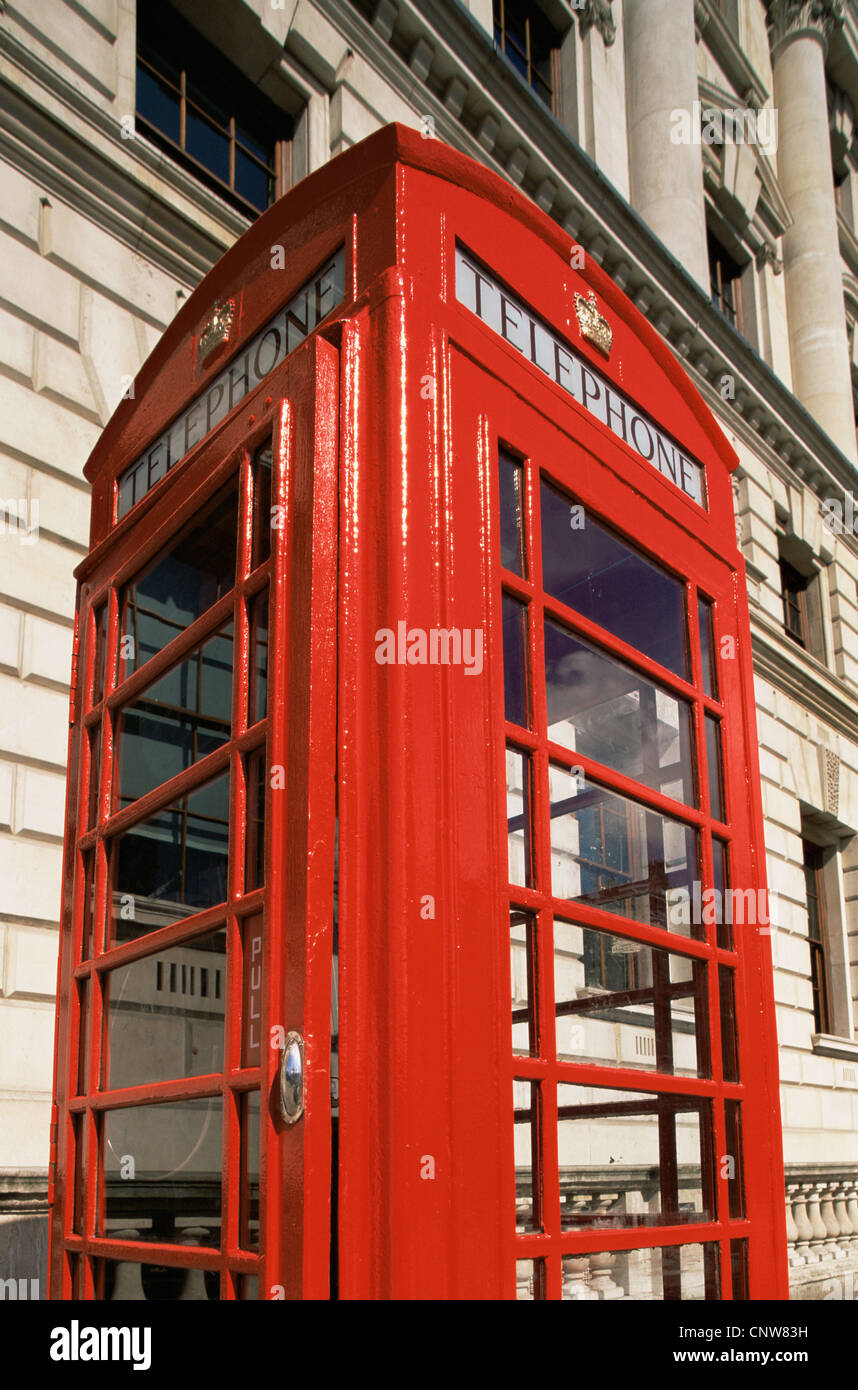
<point>792,1229</point>
<point>819,354</point>
<point>832,1247</point>
<point>666,178</point>
<point>805,1229</point>
<point>852,1211</point>
<point>820,1235</point>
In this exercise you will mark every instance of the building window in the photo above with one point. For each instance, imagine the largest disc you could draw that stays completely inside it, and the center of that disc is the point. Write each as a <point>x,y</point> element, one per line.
<point>794,593</point>
<point>816,935</point>
<point>194,103</point>
<point>529,43</point>
<point>725,282</point>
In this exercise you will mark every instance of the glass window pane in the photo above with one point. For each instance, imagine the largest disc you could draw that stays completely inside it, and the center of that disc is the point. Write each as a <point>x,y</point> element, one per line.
<point>707,647</point>
<point>87,869</point>
<point>166,1014</point>
<point>607,711</point>
<point>739,1266</point>
<point>528,1178</point>
<point>162,1172</point>
<point>178,587</point>
<point>668,1273</point>
<point>100,622</point>
<point>511,480</point>
<point>589,568</point>
<point>94,740</point>
<point>252,180</point>
<point>248,1237</point>
<point>713,760</point>
<point>729,1041</point>
<point>615,854</point>
<point>262,517</point>
<point>721,881</point>
<point>523,975</point>
<point>254,857</point>
<point>735,1164</point>
<point>158,103</point>
<point>204,142</point>
<point>180,718</point>
<point>258,691</point>
<point>657,1149</point>
<point>619,1003</point>
<point>173,863</point>
<point>529,1280</point>
<point>515,661</point>
<point>518,797</point>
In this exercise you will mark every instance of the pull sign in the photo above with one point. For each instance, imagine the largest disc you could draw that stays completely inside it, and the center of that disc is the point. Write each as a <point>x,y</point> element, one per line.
<point>292,1079</point>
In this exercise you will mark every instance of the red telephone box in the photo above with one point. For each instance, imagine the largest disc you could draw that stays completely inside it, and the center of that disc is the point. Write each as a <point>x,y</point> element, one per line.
<point>412,781</point>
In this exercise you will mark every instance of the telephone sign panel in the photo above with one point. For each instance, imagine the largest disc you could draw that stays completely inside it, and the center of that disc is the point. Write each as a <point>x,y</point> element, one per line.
<point>412,776</point>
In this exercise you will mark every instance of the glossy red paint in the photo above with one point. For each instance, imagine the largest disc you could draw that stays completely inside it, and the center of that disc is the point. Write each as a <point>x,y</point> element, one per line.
<point>384,429</point>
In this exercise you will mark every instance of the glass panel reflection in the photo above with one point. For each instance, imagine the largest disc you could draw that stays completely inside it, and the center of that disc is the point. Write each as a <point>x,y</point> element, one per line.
<point>615,854</point>
<point>608,712</point>
<point>515,661</point>
<point>197,570</point>
<point>523,976</point>
<point>261,507</point>
<point>707,647</point>
<point>518,816</point>
<point>180,718</point>
<point>511,478</point>
<point>628,1158</point>
<point>670,1273</point>
<point>529,1280</point>
<point>713,759</point>
<point>166,1014</point>
<point>248,1237</point>
<point>619,1003</point>
<point>162,1173</point>
<point>173,863</point>
<point>528,1178</point>
<point>591,570</point>
<point>258,684</point>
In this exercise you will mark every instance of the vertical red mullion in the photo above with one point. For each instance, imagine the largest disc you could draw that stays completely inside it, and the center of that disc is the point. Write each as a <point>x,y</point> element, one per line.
<point>278,1262</point>
<point>94,1195</point>
<point>541,829</point>
<point>719,1136</point>
<point>230,1102</point>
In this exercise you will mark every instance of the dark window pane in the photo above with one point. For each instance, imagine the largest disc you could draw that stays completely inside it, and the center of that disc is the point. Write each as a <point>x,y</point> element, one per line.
<point>174,1152</point>
<point>180,718</point>
<point>511,482</point>
<point>94,741</point>
<point>206,143</point>
<point>515,661</point>
<point>252,181</point>
<point>126,1281</point>
<point>593,571</point>
<point>713,760</point>
<point>158,1034</point>
<point>721,884</point>
<point>619,1003</point>
<point>173,863</point>
<point>729,1041</point>
<point>606,711</point>
<point>178,587</point>
<point>254,859</point>
<point>615,854</point>
<point>707,647</point>
<point>100,628</point>
<point>248,1237</point>
<point>638,1137</point>
<point>158,103</point>
<point>262,518</point>
<point>258,691</point>
<point>739,1264</point>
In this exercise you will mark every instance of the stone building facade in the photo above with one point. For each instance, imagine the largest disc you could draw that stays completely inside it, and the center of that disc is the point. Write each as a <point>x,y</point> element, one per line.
<point>703,152</point>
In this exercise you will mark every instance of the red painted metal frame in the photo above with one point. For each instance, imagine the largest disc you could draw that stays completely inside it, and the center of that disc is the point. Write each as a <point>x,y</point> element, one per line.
<point>385,429</point>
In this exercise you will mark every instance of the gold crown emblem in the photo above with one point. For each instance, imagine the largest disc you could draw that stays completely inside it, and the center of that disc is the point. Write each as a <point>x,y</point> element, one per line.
<point>593,326</point>
<point>217,329</point>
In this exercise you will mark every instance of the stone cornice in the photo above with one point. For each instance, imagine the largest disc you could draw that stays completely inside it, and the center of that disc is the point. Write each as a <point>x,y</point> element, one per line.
<point>778,660</point>
<point>791,19</point>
